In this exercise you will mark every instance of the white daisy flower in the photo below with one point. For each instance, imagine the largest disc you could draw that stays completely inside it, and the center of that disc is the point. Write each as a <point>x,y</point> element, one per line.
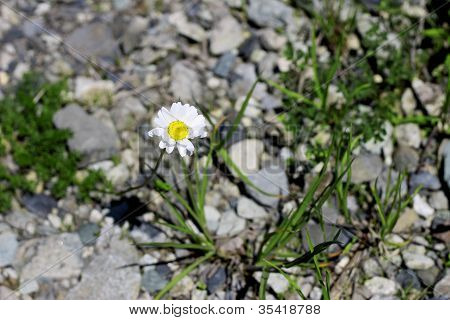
<point>177,126</point>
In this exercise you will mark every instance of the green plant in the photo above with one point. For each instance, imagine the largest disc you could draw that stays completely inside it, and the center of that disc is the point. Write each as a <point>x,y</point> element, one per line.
<point>393,202</point>
<point>38,149</point>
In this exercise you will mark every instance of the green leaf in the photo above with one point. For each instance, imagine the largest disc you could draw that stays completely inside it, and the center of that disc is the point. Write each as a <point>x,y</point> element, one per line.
<point>183,274</point>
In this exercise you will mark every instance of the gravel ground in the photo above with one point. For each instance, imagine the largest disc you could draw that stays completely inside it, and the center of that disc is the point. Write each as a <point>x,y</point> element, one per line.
<point>123,60</point>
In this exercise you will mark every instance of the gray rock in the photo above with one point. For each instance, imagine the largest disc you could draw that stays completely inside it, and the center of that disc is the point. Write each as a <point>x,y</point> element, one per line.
<point>417,261</point>
<point>429,276</point>
<point>424,179</point>
<point>372,268</point>
<point>366,167</point>
<point>155,278</point>
<point>230,224</point>
<point>381,286</point>
<point>39,204</point>
<point>91,92</point>
<point>406,221</point>
<point>244,78</point>
<point>406,158</point>
<point>88,233</point>
<point>188,29</point>
<point>212,216</point>
<point>272,180</point>
<point>266,67</point>
<point>86,40</point>
<point>55,257</point>
<point>248,209</point>
<point>248,46</point>
<point>442,288</point>
<point>122,4</point>
<point>408,279</point>
<point>226,35</point>
<point>217,280</point>
<point>127,113</point>
<point>91,137</point>
<point>317,235</point>
<point>270,13</point>
<point>246,155</point>
<point>408,135</point>
<point>438,200</point>
<point>185,83</point>
<point>271,40</point>
<point>8,248</point>
<point>431,96</point>
<point>224,65</point>
<point>446,162</point>
<point>104,278</point>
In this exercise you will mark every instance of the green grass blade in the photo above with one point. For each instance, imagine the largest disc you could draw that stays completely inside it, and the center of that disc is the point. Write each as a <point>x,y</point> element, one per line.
<point>173,245</point>
<point>263,284</point>
<point>183,274</point>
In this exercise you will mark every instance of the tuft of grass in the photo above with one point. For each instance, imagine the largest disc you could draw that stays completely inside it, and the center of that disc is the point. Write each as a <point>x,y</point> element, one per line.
<point>39,151</point>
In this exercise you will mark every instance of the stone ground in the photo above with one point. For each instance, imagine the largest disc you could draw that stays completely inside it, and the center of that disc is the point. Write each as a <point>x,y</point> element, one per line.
<point>126,58</point>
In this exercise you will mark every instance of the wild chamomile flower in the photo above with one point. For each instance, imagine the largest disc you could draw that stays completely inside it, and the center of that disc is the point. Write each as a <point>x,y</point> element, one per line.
<point>177,126</point>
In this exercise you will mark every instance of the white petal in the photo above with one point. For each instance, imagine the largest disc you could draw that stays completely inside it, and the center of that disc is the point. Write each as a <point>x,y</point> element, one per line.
<point>167,115</point>
<point>160,122</point>
<point>190,114</point>
<point>176,109</point>
<point>170,149</point>
<point>199,121</point>
<point>181,149</point>
<point>188,144</point>
<point>162,145</point>
<point>156,132</point>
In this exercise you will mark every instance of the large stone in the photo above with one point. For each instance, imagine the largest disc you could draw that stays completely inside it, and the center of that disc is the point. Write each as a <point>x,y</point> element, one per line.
<point>188,29</point>
<point>226,35</point>
<point>246,155</point>
<point>230,224</point>
<point>426,180</point>
<point>93,92</point>
<point>270,13</point>
<point>408,135</point>
<point>417,261</point>
<point>446,161</point>
<point>86,40</point>
<point>406,158</point>
<point>127,113</point>
<point>366,167</point>
<point>107,277</point>
<point>8,248</point>
<point>381,286</point>
<point>91,137</point>
<point>55,257</point>
<point>273,181</point>
<point>39,204</point>
<point>442,288</point>
<point>185,83</point>
<point>248,209</point>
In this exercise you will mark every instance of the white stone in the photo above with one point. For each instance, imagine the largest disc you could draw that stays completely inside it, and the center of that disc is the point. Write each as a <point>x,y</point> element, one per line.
<point>248,209</point>
<point>422,207</point>
<point>381,286</point>
<point>226,35</point>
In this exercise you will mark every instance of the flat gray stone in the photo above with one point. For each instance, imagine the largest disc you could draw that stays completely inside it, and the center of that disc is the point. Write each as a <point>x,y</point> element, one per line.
<point>55,257</point>
<point>185,83</point>
<point>86,40</point>
<point>366,167</point>
<point>269,13</point>
<point>91,137</point>
<point>248,209</point>
<point>272,180</point>
<point>8,248</point>
<point>104,278</point>
<point>226,35</point>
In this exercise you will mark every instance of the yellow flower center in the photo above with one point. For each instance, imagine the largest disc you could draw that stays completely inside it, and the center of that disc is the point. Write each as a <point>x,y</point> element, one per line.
<point>178,130</point>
